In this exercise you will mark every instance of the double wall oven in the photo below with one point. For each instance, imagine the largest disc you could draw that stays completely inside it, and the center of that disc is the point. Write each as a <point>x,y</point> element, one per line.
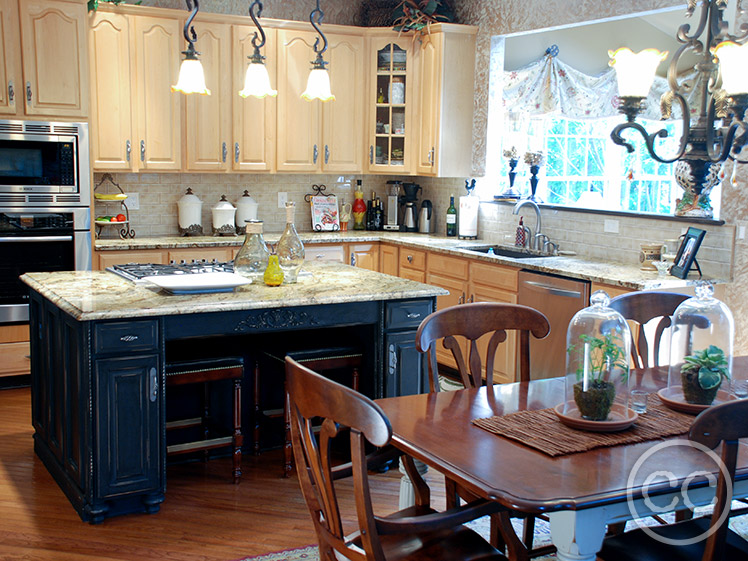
<point>45,199</point>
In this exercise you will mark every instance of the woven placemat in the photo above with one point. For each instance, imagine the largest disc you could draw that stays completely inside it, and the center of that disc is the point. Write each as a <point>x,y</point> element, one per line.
<point>543,431</point>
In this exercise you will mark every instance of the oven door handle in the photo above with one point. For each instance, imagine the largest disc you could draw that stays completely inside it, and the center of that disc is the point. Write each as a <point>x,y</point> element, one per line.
<point>30,239</point>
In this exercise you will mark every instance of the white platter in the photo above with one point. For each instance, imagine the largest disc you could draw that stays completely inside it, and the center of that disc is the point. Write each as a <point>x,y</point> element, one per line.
<point>198,283</point>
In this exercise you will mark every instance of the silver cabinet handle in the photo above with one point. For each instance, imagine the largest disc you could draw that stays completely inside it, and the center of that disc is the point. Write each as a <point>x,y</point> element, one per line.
<point>142,150</point>
<point>327,153</point>
<point>319,256</point>
<point>353,259</point>
<point>11,92</point>
<point>236,152</point>
<point>224,152</point>
<point>471,299</point>
<point>315,153</point>
<point>553,289</point>
<point>129,338</point>
<point>28,92</point>
<point>410,259</point>
<point>461,299</point>
<point>392,366</point>
<point>128,149</point>
<point>371,154</point>
<point>413,316</point>
<point>153,391</point>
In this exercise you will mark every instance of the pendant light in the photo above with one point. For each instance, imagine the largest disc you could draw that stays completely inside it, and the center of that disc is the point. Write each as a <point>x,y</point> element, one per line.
<point>191,75</point>
<point>256,80</point>
<point>318,83</point>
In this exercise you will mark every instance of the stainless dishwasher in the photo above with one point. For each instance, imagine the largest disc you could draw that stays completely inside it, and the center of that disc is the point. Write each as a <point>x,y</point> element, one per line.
<point>559,298</point>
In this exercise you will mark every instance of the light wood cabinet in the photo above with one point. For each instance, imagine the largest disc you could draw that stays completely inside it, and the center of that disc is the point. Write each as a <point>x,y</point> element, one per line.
<point>364,255</point>
<point>412,264</point>
<point>55,58</point>
<point>14,348</point>
<point>388,259</point>
<point>109,258</point>
<point>326,252</point>
<point>449,273</point>
<point>253,120</point>
<point>390,101</point>
<point>315,136</point>
<point>11,84</point>
<point>446,69</point>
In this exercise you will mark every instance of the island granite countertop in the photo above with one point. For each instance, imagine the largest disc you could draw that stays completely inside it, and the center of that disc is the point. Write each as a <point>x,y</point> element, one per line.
<point>96,295</point>
<point>616,274</point>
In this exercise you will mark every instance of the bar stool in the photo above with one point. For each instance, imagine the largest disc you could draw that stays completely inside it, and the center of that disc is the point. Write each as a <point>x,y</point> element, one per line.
<point>205,371</point>
<point>320,360</point>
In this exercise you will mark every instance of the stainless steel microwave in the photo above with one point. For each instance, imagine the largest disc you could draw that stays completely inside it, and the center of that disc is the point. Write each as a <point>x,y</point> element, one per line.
<point>44,164</point>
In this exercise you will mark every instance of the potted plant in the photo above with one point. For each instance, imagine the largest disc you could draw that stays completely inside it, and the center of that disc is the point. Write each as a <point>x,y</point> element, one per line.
<point>595,389</point>
<point>702,375</point>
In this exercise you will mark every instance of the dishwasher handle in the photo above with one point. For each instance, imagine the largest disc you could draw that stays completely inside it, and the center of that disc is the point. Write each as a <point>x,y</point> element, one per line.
<point>550,289</point>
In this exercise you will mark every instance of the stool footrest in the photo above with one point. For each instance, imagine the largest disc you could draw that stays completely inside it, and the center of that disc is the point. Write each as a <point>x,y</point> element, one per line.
<point>199,445</point>
<point>184,423</point>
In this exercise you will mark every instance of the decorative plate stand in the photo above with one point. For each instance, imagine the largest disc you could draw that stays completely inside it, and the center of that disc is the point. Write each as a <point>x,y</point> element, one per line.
<point>108,198</point>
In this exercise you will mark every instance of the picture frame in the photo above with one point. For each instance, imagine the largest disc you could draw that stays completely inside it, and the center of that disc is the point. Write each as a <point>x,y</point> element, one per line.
<point>686,255</point>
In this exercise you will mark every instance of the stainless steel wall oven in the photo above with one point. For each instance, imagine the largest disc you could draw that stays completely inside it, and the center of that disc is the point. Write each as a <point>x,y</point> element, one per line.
<point>45,199</point>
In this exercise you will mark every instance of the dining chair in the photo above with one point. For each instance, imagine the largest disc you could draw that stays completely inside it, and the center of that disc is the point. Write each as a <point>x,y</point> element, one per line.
<point>471,322</point>
<point>718,424</point>
<point>417,533</point>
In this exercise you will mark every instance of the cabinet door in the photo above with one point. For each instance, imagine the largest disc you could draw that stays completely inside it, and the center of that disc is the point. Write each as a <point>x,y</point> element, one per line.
<point>429,88</point>
<point>253,139</point>
<point>405,366</point>
<point>11,85</point>
<point>109,258</point>
<point>390,100</point>
<point>111,115</point>
<point>505,363</point>
<point>342,133</point>
<point>127,434</point>
<point>157,44</point>
<point>365,256</point>
<point>458,293</point>
<point>207,123</point>
<point>299,145</point>
<point>388,259</point>
<point>55,58</point>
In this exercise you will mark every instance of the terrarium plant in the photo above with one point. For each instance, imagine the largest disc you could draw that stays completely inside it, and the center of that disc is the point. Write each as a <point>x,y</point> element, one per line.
<point>702,375</point>
<point>595,390</point>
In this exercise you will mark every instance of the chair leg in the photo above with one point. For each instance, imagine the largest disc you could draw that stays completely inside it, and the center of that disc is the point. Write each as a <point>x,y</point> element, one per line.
<point>682,515</point>
<point>354,381</point>
<point>206,417</point>
<point>256,405</point>
<point>238,438</point>
<point>287,437</point>
<point>528,532</point>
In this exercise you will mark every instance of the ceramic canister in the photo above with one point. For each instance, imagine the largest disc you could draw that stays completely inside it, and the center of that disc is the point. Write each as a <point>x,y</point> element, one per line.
<point>190,209</point>
<point>246,209</point>
<point>223,218</point>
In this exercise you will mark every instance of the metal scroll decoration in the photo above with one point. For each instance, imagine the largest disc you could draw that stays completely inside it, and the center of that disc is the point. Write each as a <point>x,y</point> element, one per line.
<point>124,232</point>
<point>276,319</point>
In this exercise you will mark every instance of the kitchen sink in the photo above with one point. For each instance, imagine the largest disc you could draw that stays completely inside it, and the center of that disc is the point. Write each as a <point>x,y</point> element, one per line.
<point>502,251</point>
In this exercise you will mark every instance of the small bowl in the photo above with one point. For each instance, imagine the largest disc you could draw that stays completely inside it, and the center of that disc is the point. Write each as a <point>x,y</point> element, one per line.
<point>663,267</point>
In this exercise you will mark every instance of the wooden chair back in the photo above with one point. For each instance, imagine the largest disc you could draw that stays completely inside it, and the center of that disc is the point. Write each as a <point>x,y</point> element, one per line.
<point>313,396</point>
<point>641,308</point>
<point>723,423</point>
<point>472,321</point>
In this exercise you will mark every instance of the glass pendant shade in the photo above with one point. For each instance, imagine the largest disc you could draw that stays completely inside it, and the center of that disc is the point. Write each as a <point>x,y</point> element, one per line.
<point>318,86</point>
<point>635,71</point>
<point>732,62</point>
<point>191,78</point>
<point>257,81</point>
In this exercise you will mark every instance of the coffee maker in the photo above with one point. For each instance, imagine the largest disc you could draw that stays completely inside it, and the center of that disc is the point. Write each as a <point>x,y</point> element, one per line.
<point>409,205</point>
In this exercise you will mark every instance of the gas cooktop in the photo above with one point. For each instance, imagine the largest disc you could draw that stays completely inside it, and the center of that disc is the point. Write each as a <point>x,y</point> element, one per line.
<point>137,271</point>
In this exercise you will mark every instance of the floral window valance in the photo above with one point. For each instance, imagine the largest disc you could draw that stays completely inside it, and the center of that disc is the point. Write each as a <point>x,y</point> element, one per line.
<point>551,86</point>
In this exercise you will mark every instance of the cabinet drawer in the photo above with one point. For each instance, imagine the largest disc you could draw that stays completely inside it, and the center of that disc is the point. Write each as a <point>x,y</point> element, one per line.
<point>407,314</point>
<point>334,253</point>
<point>412,259</point>
<point>449,266</point>
<point>15,358</point>
<point>412,274</point>
<point>122,336</point>
<point>496,276</point>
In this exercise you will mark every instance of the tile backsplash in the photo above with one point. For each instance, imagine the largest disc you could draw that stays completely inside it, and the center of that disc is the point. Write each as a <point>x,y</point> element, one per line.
<point>580,232</point>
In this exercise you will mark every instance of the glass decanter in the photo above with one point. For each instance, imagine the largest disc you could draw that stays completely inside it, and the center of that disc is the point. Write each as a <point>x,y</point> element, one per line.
<point>290,250</point>
<point>252,259</point>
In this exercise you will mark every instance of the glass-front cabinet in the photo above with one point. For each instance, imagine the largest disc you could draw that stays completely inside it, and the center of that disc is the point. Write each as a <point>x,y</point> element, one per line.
<point>391,136</point>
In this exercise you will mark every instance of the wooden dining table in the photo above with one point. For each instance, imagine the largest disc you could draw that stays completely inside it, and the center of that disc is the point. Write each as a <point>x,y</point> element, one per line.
<point>580,492</point>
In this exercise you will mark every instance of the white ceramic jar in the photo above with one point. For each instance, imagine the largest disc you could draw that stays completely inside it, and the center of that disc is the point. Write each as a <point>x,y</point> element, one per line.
<point>246,209</point>
<point>223,218</point>
<point>190,209</point>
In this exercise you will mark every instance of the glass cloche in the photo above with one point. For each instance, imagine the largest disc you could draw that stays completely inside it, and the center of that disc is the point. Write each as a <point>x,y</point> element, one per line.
<point>598,342</point>
<point>700,372</point>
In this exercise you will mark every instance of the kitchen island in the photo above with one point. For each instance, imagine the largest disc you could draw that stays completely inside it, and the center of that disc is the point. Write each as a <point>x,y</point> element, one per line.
<point>100,345</point>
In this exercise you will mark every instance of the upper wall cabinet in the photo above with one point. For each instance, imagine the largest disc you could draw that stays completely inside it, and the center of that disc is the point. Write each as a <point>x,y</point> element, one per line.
<point>137,120</point>
<point>391,103</point>
<point>317,136</point>
<point>445,64</point>
<point>54,79</point>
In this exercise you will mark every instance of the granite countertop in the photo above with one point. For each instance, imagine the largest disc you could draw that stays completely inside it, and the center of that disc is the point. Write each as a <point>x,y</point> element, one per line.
<point>616,274</point>
<point>96,295</point>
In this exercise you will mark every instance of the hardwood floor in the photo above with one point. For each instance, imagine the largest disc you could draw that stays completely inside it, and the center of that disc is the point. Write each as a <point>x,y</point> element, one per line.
<point>204,517</point>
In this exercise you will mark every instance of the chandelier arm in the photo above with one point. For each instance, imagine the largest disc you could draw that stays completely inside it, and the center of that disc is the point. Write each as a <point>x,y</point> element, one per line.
<point>682,35</point>
<point>188,23</point>
<point>648,139</point>
<point>724,140</point>
<point>256,4</point>
<point>318,15</point>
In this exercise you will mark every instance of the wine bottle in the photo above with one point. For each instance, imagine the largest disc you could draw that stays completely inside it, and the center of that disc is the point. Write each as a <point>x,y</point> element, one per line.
<point>451,217</point>
<point>290,249</point>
